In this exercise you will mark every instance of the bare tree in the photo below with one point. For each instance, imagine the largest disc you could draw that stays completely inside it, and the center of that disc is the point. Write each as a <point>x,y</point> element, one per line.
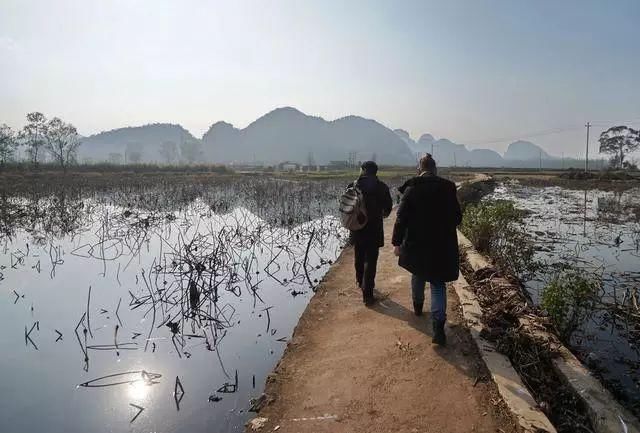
<point>33,135</point>
<point>619,141</point>
<point>169,152</point>
<point>8,144</point>
<point>62,142</point>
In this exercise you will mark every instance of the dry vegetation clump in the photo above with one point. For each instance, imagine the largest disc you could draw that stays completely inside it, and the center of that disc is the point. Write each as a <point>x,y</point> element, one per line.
<point>520,332</point>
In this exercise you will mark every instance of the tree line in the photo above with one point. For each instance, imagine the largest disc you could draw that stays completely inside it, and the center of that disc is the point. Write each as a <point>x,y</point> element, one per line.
<point>55,137</point>
<point>41,137</point>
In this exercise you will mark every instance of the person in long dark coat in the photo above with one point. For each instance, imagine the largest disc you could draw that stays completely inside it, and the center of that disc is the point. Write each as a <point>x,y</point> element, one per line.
<point>368,240</point>
<point>425,239</point>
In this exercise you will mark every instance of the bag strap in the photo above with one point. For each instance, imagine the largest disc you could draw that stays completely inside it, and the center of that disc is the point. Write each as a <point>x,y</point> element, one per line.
<point>355,184</point>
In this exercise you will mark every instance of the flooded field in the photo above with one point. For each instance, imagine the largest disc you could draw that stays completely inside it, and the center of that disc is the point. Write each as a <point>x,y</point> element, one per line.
<point>154,309</point>
<point>597,232</point>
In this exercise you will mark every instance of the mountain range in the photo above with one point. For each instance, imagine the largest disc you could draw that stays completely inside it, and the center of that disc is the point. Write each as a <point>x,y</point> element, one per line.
<point>287,134</point>
<point>447,153</point>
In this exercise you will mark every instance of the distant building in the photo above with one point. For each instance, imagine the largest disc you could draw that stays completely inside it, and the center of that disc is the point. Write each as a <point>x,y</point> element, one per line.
<point>288,166</point>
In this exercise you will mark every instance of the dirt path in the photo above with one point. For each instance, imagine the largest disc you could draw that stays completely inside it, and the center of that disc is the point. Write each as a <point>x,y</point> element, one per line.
<point>353,369</point>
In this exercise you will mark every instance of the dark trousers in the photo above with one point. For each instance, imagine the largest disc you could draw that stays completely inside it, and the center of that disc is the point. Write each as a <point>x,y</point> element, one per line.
<point>366,261</point>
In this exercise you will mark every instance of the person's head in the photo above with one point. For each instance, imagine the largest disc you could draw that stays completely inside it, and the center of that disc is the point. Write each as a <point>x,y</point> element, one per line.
<point>428,165</point>
<point>369,168</point>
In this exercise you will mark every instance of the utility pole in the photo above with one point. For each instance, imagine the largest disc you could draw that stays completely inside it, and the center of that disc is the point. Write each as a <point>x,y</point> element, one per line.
<point>586,157</point>
<point>540,159</point>
<point>563,160</point>
<point>311,161</point>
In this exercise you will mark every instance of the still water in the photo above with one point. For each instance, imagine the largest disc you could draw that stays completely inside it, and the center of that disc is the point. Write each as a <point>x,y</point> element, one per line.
<point>118,317</point>
<point>599,233</point>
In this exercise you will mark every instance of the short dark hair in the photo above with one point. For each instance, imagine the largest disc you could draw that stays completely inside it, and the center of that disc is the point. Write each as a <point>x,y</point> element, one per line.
<point>369,167</point>
<point>427,163</point>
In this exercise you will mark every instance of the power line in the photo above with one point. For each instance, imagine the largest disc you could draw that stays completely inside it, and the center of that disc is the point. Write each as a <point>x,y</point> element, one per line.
<point>558,130</point>
<point>521,136</point>
<point>613,122</point>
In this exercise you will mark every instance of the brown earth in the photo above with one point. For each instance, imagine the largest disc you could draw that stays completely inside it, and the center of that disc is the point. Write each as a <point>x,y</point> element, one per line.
<point>351,369</point>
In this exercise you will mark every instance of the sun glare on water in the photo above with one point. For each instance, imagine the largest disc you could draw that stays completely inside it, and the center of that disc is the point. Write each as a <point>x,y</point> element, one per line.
<point>139,390</point>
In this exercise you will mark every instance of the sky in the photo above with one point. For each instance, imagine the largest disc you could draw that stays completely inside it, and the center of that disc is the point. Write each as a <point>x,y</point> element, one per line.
<point>479,72</point>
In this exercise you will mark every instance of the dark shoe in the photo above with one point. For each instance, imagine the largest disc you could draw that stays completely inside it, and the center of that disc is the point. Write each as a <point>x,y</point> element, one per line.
<point>368,298</point>
<point>439,336</point>
<point>417,308</point>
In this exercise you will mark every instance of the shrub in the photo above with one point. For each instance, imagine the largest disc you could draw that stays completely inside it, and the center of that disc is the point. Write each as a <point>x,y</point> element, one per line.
<point>495,227</point>
<point>570,299</point>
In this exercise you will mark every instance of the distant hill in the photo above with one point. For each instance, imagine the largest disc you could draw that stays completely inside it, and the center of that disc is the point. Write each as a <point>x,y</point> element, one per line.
<point>486,158</point>
<point>448,153</point>
<point>404,135</point>
<point>146,141</point>
<point>424,143</point>
<point>288,134</point>
<point>525,150</point>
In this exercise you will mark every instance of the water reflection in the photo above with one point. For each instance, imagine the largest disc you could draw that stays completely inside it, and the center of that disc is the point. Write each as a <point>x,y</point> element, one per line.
<point>599,233</point>
<point>584,218</point>
<point>205,290</point>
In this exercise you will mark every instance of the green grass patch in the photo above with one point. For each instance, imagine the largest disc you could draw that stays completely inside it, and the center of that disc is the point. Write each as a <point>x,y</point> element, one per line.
<point>496,228</point>
<point>570,299</point>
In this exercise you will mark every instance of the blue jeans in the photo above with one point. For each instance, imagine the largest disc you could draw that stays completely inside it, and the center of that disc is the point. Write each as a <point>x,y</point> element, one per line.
<point>438,296</point>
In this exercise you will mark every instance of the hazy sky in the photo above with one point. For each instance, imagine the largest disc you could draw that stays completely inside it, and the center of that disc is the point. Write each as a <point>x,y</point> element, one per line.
<point>473,71</point>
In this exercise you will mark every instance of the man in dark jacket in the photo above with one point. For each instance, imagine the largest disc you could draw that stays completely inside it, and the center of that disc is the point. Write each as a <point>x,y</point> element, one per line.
<point>368,240</point>
<point>425,239</point>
